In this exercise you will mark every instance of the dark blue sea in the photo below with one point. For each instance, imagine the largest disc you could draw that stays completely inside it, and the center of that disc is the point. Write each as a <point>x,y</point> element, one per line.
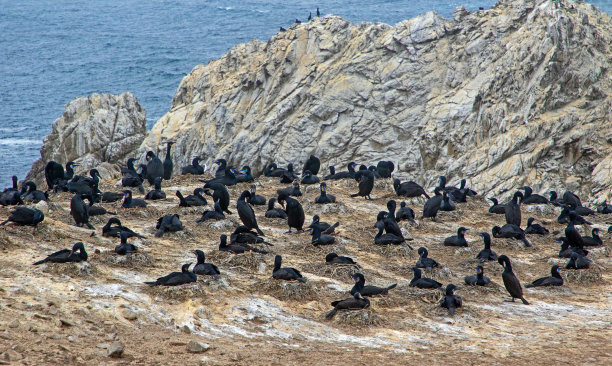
<point>52,51</point>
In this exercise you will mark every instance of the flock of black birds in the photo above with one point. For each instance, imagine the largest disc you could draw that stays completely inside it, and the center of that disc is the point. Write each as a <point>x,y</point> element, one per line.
<point>245,236</point>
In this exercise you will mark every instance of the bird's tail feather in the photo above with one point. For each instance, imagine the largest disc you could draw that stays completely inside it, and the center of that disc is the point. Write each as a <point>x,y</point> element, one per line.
<point>331,314</point>
<point>524,301</point>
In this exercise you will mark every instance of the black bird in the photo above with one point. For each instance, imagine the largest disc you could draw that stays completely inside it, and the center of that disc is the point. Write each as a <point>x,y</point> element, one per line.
<point>391,226</point>
<point>604,208</point>
<point>313,164</point>
<point>298,21</point>
<point>325,227</point>
<point>387,238</point>
<point>333,258</point>
<point>310,16</point>
<point>294,210</point>
<point>350,173</point>
<point>532,199</point>
<point>573,236</point>
<point>479,279</point>
<point>566,251</point>
<point>216,214</point>
<point>67,255</point>
<point>364,290</point>
<point>32,194</point>
<point>409,189</point>
<point>115,231</point>
<point>111,197</point>
<point>168,166</point>
<point>513,210</point>
<point>385,168</point>
<point>431,207</point>
<point>227,179</point>
<point>372,168</point>
<point>53,172</point>
<point>25,216</point>
<point>571,199</point>
<point>246,176</point>
<point>221,168</point>
<point>457,240</point>
<point>555,200</point>
<point>366,182</point>
<point>202,268</point>
<point>176,278</point>
<point>451,301</point>
<point>486,254</point>
<point>282,29</point>
<point>554,279</point>
<point>318,13</point>
<point>256,199</point>
<point>459,195</point>
<point>356,302</point>
<point>497,208</point>
<point>275,213</point>
<point>424,261</point>
<point>237,248</point>
<point>272,170</point>
<point>244,235</point>
<point>293,190</point>
<point>510,231</point>
<point>287,273</point>
<point>469,192</point>
<point>246,213</point>
<point>78,210</point>
<point>131,177</point>
<point>511,283</point>
<point>155,168</point>
<point>129,202</point>
<point>220,194</point>
<point>85,185</point>
<point>288,176</point>
<point>578,261</point>
<point>196,199</point>
<point>318,238</point>
<point>535,228</point>
<point>11,196</point>
<point>423,282</point>
<point>157,193</point>
<point>195,168</point>
<point>125,247</point>
<point>170,223</point>
<point>564,217</point>
<point>309,178</point>
<point>405,213</point>
<point>324,197</point>
<point>593,241</point>
<point>443,187</point>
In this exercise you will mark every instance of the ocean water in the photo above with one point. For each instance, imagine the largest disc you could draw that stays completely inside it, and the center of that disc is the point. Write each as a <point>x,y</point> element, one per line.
<point>52,51</point>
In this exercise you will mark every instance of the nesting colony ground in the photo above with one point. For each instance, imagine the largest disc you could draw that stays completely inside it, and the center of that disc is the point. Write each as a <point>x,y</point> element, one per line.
<point>78,313</point>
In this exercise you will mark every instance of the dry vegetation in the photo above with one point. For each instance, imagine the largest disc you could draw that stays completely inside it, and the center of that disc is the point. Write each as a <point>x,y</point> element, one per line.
<point>70,314</point>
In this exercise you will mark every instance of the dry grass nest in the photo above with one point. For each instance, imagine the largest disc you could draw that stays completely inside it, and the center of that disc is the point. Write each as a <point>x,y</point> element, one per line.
<point>402,250</point>
<point>131,260</point>
<point>341,272</point>
<point>286,290</point>
<point>358,318</point>
<point>176,294</point>
<point>72,269</point>
<point>248,261</point>
<point>588,276</point>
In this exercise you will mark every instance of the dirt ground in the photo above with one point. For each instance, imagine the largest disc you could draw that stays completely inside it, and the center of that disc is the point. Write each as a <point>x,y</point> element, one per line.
<point>74,313</point>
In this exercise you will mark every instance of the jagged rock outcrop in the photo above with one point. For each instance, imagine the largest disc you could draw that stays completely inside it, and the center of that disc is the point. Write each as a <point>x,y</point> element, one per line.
<point>93,130</point>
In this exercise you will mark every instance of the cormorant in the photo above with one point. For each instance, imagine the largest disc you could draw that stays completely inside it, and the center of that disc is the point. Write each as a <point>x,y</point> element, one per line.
<point>532,199</point>
<point>221,167</point>
<point>535,228</point>
<point>310,16</point>
<point>350,173</point>
<point>431,207</point>
<point>169,223</point>
<point>604,208</point>
<point>272,170</point>
<point>195,168</point>
<point>451,301</point>
<point>308,178</point>
<point>86,185</point>
<point>227,179</point>
<point>360,287</point>
<point>246,176</point>
<point>246,213</point>
<point>497,208</point>
<point>287,273</point>
<point>282,29</point>
<point>115,231</point>
<point>356,302</point>
<point>318,238</point>
<point>25,216</point>
<point>571,199</point>
<point>564,217</point>
<point>275,213</point>
<point>555,279</point>
<point>11,196</point>
<point>294,210</point>
<point>176,278</point>
<point>405,213</point>
<point>573,236</point>
<point>216,214</point>
<point>385,168</point>
<point>511,283</point>
<point>111,197</point>
<point>578,261</point>
<point>125,247</point>
<point>288,176</point>
<point>220,194</point>
<point>192,200</point>
<point>53,172</point>
<point>468,192</point>
<point>325,227</point>
<point>256,199</point>
<point>457,240</point>
<point>443,187</point>
<point>423,282</point>
<point>157,193</point>
<point>244,235</point>
<point>479,279</point>
<point>318,13</point>
<point>78,210</point>
<point>566,251</point>
<point>32,194</point>
<point>237,248</point>
<point>510,231</point>
<point>324,197</point>
<point>67,255</point>
<point>593,241</point>
<point>513,210</point>
<point>408,189</point>
<point>372,168</point>
<point>293,190</point>
<point>387,238</point>
<point>555,200</point>
<point>366,183</point>
<point>168,162</point>
<point>486,254</point>
<point>129,202</point>
<point>333,258</point>
<point>424,261</point>
<point>202,268</point>
<point>391,226</point>
<point>313,164</point>
<point>155,168</point>
<point>131,177</point>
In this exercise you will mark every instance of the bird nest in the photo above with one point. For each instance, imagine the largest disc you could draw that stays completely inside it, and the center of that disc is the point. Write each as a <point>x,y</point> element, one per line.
<point>583,276</point>
<point>391,250</point>
<point>72,269</point>
<point>286,290</point>
<point>6,241</point>
<point>328,208</point>
<point>130,260</point>
<point>249,261</point>
<point>342,272</point>
<point>358,318</point>
<point>227,224</point>
<point>176,294</point>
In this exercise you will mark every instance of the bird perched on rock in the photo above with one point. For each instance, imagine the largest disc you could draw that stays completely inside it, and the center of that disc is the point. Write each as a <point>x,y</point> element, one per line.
<point>324,197</point>
<point>155,167</point>
<point>313,164</point>
<point>486,254</point>
<point>168,165</point>
<point>360,287</point>
<point>203,268</point>
<point>366,183</point>
<point>294,210</point>
<point>124,247</point>
<point>423,282</point>
<point>457,240</point>
<point>424,261</point>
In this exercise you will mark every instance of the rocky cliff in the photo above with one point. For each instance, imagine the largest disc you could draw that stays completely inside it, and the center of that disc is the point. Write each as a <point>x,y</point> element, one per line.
<point>518,94</point>
<point>94,129</point>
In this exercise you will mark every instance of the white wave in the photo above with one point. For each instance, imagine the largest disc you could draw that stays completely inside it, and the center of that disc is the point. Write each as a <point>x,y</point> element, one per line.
<point>17,141</point>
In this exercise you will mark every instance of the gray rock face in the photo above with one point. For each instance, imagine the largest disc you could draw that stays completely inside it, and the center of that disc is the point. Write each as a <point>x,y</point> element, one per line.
<point>519,94</point>
<point>94,129</point>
